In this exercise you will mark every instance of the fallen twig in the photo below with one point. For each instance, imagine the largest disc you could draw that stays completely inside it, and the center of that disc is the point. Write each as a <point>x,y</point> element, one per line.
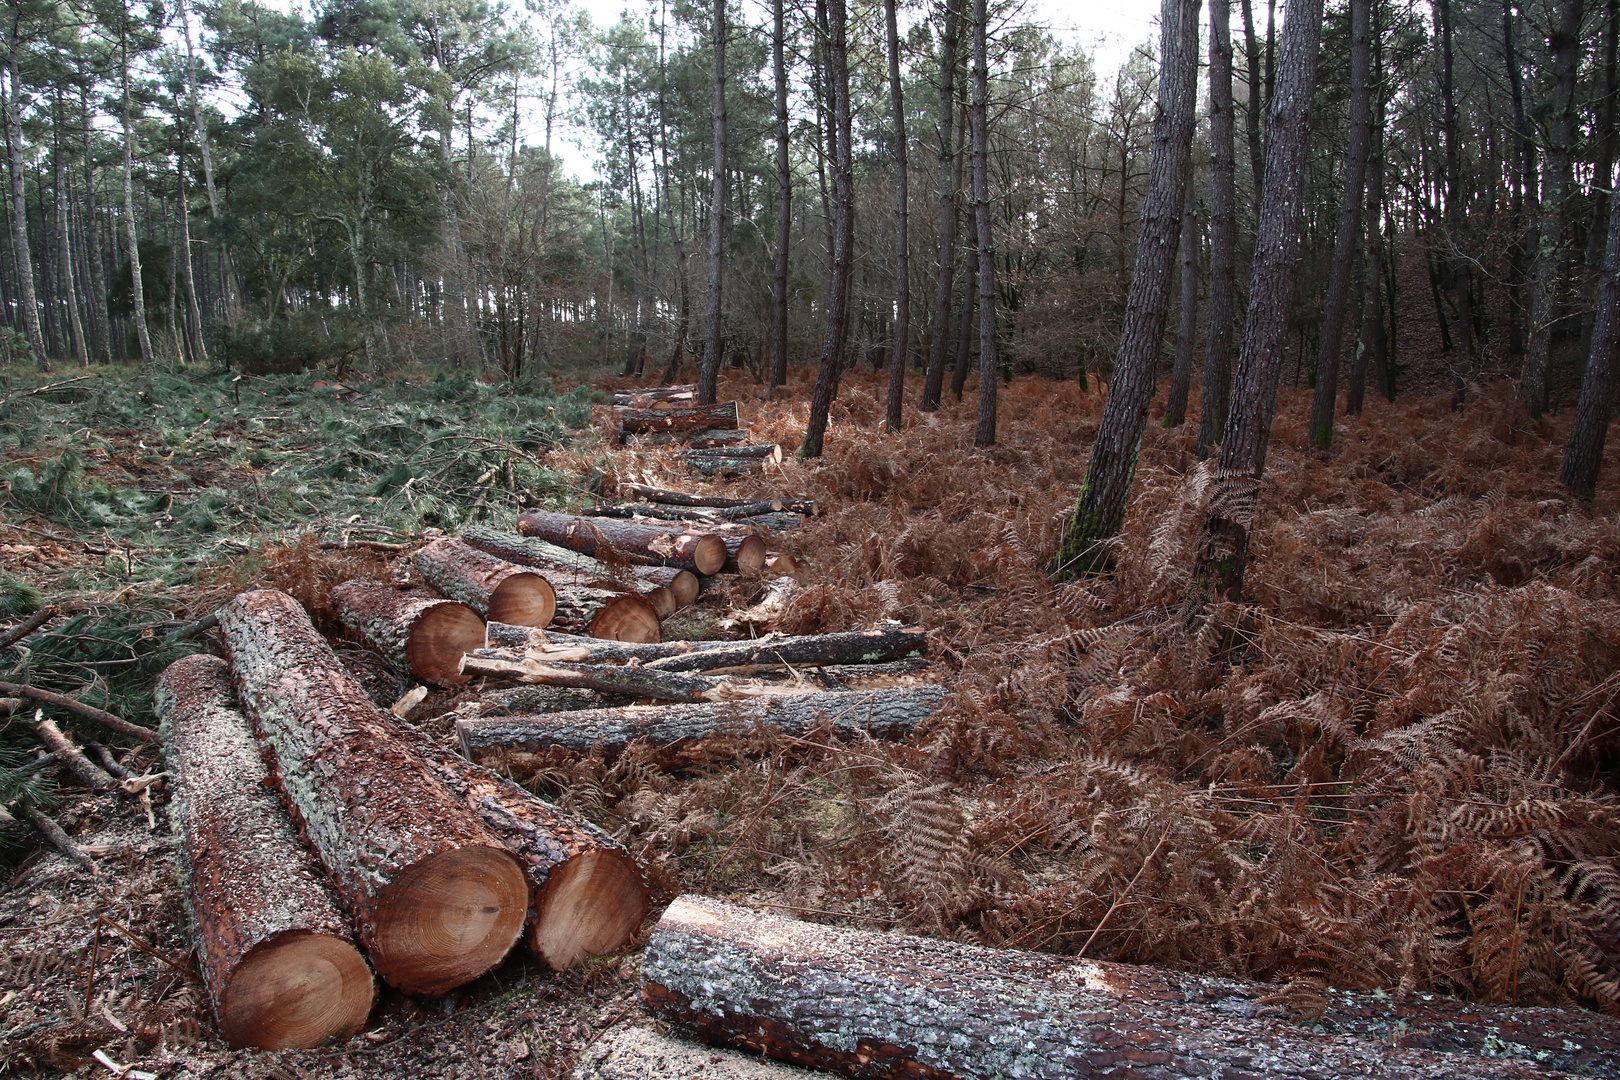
<point>28,626</point>
<point>57,838</point>
<point>89,712</point>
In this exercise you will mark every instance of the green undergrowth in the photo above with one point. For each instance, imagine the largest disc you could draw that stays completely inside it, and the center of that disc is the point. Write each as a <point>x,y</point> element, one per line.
<point>143,493</point>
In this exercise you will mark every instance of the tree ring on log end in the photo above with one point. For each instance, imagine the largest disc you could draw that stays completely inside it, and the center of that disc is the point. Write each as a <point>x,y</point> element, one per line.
<point>750,555</point>
<point>524,599</point>
<point>439,638</point>
<point>448,919</point>
<point>709,554</point>
<point>296,992</point>
<point>582,910</point>
<point>685,586</point>
<point>663,601</point>
<point>628,618</point>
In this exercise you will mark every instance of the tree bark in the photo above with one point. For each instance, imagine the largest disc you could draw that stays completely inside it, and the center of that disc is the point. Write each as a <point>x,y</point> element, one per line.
<point>199,348</point>
<point>419,634</point>
<point>1526,187</point>
<point>608,613</point>
<point>437,900</point>
<point>673,730</point>
<point>1259,367</point>
<point>565,567</point>
<point>867,1004</point>
<point>627,680</point>
<point>1459,280</point>
<point>138,317</point>
<point>836,337</point>
<point>64,243</point>
<point>702,552</point>
<point>984,432</point>
<point>1566,50</point>
<point>1100,511</point>
<point>1251,119</point>
<point>22,253</point>
<point>1217,389</point>
<point>92,236</point>
<point>845,647</point>
<point>1583,458</point>
<point>588,895</point>
<point>494,588</point>
<point>939,337</point>
<point>70,757</point>
<point>648,397</point>
<point>1372,350</point>
<point>1350,223</point>
<point>1175,408</point>
<point>900,353</point>
<point>693,418</point>
<point>719,231</point>
<point>681,498</point>
<point>274,951</point>
<point>744,554</point>
<point>784,207</point>
<point>964,324</point>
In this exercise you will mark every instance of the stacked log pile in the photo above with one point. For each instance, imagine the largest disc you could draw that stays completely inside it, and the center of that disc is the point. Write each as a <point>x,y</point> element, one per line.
<point>716,444</point>
<point>298,798</point>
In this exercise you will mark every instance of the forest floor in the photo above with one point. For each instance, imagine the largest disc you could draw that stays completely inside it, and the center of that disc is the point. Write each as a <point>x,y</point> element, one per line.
<point>1392,767</point>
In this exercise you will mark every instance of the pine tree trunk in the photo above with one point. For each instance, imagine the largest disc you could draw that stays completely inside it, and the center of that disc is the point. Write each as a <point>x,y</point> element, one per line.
<point>836,337</point>
<point>1583,458</point>
<point>1217,389</point>
<point>900,354</point>
<point>193,310</point>
<point>1598,226</point>
<point>437,899</point>
<point>1523,230</point>
<point>1175,408</point>
<point>970,308</point>
<point>1259,366</point>
<point>784,205</point>
<point>1257,150</point>
<point>1372,350</point>
<point>984,432</point>
<point>1100,511</point>
<point>719,231</point>
<point>1566,49</point>
<point>422,635</point>
<point>1350,224</point>
<point>70,291</point>
<point>939,336</point>
<point>272,946</point>
<point>21,252</point>
<point>864,1003</point>
<point>1459,279</point>
<point>148,358</point>
<point>92,238</point>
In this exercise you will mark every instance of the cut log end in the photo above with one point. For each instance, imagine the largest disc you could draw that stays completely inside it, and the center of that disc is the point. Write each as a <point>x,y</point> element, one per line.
<point>296,992</point>
<point>448,919</point>
<point>590,905</point>
<point>684,586</point>
<point>523,600</point>
<point>627,618</point>
<point>663,601</point>
<point>749,556</point>
<point>438,640</point>
<point>780,562</point>
<point>710,555</point>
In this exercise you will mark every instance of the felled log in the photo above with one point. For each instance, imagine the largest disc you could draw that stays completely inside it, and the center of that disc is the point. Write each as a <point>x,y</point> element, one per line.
<point>680,417</point>
<point>687,548</point>
<point>493,587</point>
<point>874,646</point>
<point>637,395</point>
<point>629,680</point>
<point>273,949</point>
<point>725,466</point>
<point>603,613</point>
<point>765,451</point>
<point>420,634</point>
<point>773,523</point>
<point>673,729</point>
<point>869,1004</point>
<point>565,566</point>
<point>744,554</point>
<point>708,440</point>
<point>588,895</point>
<point>781,563</point>
<point>682,584</point>
<point>435,897</point>
<point>691,514</point>
<point>638,1053</point>
<point>770,608</point>
<point>683,498</point>
<point>537,698</point>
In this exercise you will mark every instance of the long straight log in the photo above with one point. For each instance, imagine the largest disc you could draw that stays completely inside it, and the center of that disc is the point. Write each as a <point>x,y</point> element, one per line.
<point>420,634</point>
<point>633,421</point>
<point>708,440</point>
<point>811,650</point>
<point>436,899</point>
<point>518,700</point>
<point>674,729</point>
<point>645,398</point>
<point>721,502</point>
<point>588,894</point>
<point>493,587</point>
<point>691,549</point>
<point>727,466</point>
<point>693,514</point>
<point>274,951</point>
<point>565,566</point>
<point>767,452</point>
<point>630,680</point>
<point>867,1004</point>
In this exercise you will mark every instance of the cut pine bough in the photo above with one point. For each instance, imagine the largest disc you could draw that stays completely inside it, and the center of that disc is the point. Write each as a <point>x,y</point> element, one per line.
<point>436,898</point>
<point>866,1004</point>
<point>672,731</point>
<point>422,635</point>
<point>274,951</point>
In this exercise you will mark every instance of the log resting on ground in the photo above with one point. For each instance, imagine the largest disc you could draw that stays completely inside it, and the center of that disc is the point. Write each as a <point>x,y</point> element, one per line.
<point>638,1053</point>
<point>436,898</point>
<point>891,641</point>
<point>764,451</point>
<point>517,700</point>
<point>781,563</point>
<point>274,951</point>
<point>708,440</point>
<point>491,586</point>
<point>651,394</point>
<point>588,895</point>
<point>744,554</point>
<point>691,514</point>
<point>613,616</point>
<point>673,729</point>
<point>683,498</point>
<point>869,1004</point>
<point>629,680</point>
<point>634,421</point>
<point>682,584</point>
<point>729,466</point>
<point>687,548</point>
<point>563,566</point>
<point>420,634</point>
